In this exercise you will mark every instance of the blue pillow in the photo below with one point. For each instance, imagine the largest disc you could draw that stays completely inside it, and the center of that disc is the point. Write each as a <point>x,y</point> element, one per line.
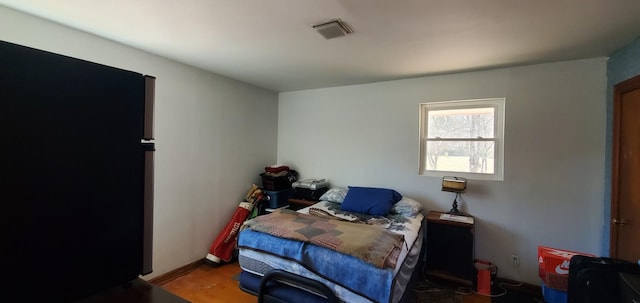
<point>370,200</point>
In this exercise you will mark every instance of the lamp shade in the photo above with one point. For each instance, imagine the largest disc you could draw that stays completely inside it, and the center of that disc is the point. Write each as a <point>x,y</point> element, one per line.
<point>454,184</point>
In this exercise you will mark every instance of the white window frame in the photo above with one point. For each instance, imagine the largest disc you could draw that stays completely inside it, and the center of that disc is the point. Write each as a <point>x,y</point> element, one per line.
<point>498,104</point>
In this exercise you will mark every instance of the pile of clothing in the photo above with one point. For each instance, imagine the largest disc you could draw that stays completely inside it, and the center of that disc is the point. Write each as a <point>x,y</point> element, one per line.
<point>278,177</point>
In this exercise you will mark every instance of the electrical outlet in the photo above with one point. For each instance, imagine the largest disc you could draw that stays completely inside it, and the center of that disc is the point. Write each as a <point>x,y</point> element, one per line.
<point>515,260</point>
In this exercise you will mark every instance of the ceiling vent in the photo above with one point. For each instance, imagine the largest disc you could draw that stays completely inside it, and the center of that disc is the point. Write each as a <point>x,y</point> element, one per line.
<point>333,29</point>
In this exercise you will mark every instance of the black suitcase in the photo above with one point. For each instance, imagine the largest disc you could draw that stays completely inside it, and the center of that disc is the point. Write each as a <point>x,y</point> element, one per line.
<point>595,279</point>
<point>308,194</point>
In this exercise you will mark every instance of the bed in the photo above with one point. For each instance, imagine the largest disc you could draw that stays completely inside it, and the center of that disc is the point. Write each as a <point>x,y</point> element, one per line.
<point>380,274</point>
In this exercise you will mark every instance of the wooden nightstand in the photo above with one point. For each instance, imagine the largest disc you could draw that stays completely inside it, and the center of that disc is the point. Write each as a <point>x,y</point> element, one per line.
<point>449,249</point>
<point>296,204</point>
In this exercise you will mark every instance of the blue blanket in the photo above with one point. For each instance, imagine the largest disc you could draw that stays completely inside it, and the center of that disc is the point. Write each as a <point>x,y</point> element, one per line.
<point>350,272</point>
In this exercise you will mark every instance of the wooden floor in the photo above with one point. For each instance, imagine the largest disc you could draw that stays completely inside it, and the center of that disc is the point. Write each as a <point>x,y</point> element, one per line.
<point>209,284</point>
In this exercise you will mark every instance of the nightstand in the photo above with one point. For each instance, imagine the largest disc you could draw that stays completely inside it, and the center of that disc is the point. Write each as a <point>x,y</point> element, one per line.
<point>449,249</point>
<point>296,204</point>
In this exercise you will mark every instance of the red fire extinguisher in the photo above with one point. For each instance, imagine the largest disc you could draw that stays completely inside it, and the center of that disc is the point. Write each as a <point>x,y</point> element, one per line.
<point>222,248</point>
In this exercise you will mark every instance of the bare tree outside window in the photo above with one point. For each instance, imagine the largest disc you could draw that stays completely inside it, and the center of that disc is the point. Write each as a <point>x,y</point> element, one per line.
<point>461,140</point>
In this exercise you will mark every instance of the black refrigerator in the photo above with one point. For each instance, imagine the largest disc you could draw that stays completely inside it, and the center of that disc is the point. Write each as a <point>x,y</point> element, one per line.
<point>76,191</point>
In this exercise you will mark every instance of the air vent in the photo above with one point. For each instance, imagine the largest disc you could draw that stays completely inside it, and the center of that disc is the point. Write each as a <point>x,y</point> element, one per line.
<point>333,29</point>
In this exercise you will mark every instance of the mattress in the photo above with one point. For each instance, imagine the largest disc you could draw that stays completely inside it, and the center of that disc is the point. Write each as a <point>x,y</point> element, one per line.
<point>353,280</point>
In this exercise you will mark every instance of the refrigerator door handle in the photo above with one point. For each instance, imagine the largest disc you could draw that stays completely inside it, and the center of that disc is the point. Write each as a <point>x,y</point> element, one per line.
<point>147,247</point>
<point>149,100</point>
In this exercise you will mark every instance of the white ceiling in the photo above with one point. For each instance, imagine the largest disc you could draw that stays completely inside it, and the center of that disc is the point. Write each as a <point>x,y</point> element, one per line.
<point>271,43</point>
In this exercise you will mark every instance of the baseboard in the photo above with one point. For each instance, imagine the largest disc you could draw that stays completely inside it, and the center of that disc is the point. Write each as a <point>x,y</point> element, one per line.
<point>164,278</point>
<point>531,289</point>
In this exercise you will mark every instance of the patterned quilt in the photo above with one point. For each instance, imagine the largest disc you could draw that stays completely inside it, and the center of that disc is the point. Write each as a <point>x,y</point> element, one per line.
<point>370,243</point>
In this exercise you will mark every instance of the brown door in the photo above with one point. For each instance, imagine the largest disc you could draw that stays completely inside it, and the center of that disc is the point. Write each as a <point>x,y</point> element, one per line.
<point>625,178</point>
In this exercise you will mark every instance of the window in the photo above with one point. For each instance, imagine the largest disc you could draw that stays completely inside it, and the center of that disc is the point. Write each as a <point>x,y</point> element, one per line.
<point>462,138</point>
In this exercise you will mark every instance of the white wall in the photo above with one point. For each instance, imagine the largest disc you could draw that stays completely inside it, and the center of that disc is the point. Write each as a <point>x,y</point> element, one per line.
<point>214,135</point>
<point>552,192</point>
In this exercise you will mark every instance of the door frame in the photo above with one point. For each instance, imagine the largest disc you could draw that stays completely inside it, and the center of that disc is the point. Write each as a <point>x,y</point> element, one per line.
<point>618,90</point>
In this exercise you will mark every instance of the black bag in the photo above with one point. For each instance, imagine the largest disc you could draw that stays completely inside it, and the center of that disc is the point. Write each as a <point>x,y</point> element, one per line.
<point>308,194</point>
<point>595,279</point>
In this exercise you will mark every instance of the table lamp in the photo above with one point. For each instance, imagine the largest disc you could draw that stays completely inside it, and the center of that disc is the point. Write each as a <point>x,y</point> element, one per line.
<point>456,185</point>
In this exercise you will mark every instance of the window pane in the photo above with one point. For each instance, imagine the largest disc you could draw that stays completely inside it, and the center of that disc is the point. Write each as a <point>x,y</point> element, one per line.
<point>461,156</point>
<point>461,123</point>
